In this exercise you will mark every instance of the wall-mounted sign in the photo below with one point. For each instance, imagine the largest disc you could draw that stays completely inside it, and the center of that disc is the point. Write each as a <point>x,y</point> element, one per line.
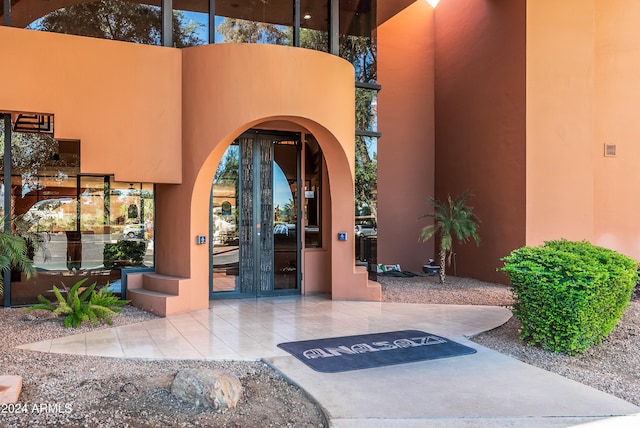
<point>201,239</point>
<point>342,236</point>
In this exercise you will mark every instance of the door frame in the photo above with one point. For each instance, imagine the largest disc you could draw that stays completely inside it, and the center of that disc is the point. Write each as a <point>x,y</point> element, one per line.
<point>256,135</point>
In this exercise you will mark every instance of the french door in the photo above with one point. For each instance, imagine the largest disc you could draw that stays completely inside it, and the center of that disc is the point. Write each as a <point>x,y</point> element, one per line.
<point>255,200</point>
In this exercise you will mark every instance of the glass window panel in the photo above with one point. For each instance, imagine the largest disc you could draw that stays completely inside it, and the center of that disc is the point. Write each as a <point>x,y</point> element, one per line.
<point>190,22</point>
<point>92,221</point>
<point>313,25</point>
<point>285,214</point>
<point>225,217</point>
<point>366,110</point>
<point>254,21</point>
<point>131,211</point>
<point>105,19</point>
<point>357,37</point>
<point>313,165</point>
<point>366,191</point>
<point>366,187</point>
<point>44,210</point>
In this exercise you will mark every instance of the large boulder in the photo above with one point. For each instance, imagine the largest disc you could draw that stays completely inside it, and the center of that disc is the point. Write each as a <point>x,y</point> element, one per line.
<point>212,389</point>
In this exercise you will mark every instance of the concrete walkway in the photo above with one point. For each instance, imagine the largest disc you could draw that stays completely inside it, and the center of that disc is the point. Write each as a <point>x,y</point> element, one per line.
<point>486,389</point>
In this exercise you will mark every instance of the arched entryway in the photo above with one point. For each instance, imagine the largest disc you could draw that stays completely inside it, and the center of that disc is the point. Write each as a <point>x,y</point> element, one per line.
<point>215,114</point>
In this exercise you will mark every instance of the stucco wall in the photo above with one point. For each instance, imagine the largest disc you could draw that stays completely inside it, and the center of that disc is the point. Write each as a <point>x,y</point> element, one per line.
<point>406,154</point>
<point>560,143</point>
<point>582,93</point>
<point>480,123</point>
<point>121,100</point>
<point>616,105</point>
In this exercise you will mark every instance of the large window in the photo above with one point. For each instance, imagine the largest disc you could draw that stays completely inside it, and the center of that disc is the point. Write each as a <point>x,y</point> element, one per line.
<point>194,22</point>
<point>268,22</point>
<point>190,22</point>
<point>76,226</point>
<point>105,19</point>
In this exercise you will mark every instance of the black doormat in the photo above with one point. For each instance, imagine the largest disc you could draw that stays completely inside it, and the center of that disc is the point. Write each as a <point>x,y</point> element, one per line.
<point>339,354</point>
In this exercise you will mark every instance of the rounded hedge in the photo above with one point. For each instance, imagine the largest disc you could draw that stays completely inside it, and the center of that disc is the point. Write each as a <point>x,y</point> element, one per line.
<point>569,295</point>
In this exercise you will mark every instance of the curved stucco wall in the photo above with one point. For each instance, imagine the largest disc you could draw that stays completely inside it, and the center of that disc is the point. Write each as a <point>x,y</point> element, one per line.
<point>229,88</point>
<point>121,100</point>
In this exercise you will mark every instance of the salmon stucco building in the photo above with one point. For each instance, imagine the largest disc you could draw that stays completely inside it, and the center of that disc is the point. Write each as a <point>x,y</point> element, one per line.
<point>196,149</point>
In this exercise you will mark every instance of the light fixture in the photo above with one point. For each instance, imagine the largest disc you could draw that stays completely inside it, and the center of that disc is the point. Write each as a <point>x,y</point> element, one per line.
<point>433,3</point>
<point>307,16</point>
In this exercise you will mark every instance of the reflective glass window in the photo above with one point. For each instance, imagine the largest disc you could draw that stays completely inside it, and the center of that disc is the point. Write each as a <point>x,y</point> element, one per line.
<point>190,22</point>
<point>366,110</point>
<point>225,222</point>
<point>75,226</point>
<point>254,21</point>
<point>313,25</point>
<point>357,37</point>
<point>366,196</point>
<point>366,175</point>
<point>105,19</point>
<point>312,209</point>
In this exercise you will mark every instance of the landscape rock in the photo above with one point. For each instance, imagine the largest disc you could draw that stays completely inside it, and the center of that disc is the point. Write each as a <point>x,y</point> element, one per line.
<point>213,389</point>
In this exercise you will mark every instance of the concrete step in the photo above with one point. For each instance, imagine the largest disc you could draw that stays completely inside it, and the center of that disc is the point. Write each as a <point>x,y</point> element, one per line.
<point>161,283</point>
<point>161,304</point>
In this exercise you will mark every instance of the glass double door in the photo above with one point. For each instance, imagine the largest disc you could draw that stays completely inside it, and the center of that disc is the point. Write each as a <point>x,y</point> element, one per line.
<point>255,247</point>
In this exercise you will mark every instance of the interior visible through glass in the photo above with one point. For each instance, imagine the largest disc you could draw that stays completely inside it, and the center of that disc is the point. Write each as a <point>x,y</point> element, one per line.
<point>285,214</point>
<point>256,21</point>
<point>224,222</point>
<point>75,226</point>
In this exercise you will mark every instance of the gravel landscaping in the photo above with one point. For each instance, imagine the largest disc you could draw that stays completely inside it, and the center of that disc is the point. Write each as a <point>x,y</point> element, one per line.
<point>610,367</point>
<point>82,391</point>
<point>76,391</point>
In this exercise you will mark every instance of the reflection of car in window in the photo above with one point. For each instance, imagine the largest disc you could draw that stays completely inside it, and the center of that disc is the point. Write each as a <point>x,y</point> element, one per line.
<point>284,229</point>
<point>366,226</point>
<point>133,231</point>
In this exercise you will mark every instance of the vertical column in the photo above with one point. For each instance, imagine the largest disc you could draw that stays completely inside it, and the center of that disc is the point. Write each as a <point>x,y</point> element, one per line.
<point>6,17</point>
<point>167,23</point>
<point>334,26</point>
<point>296,23</point>
<point>247,226</point>
<point>7,195</point>
<point>212,21</point>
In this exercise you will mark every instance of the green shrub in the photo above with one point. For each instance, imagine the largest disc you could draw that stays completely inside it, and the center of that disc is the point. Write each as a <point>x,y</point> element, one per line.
<point>89,305</point>
<point>569,295</point>
<point>124,253</point>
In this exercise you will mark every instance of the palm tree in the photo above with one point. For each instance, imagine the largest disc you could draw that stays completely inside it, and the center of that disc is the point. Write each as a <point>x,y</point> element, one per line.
<point>13,254</point>
<point>450,219</point>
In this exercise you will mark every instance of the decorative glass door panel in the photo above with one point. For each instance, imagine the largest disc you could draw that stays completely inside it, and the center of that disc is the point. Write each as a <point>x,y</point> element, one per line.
<point>254,217</point>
